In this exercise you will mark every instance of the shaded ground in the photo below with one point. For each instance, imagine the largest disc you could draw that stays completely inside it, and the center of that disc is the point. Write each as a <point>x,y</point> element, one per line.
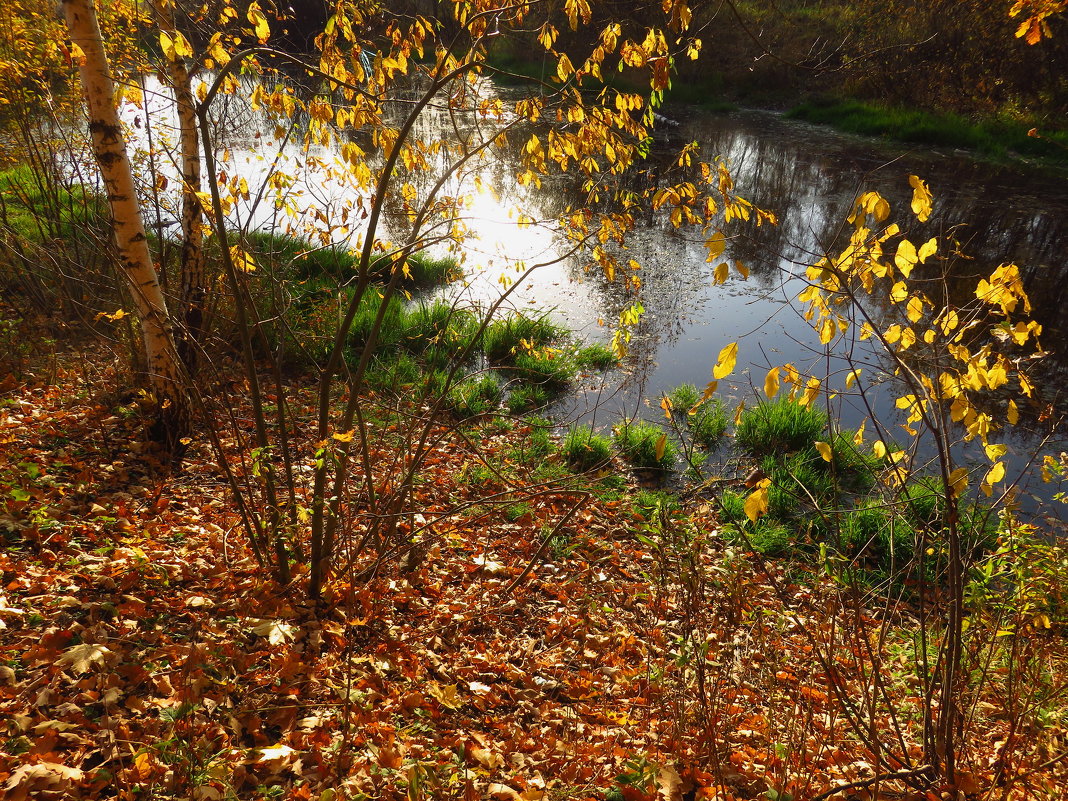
<point>146,655</point>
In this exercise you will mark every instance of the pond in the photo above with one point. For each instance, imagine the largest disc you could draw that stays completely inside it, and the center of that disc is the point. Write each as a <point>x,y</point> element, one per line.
<point>808,176</point>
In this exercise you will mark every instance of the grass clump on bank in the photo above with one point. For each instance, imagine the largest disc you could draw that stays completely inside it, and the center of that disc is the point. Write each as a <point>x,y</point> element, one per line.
<point>505,339</point>
<point>645,446</point>
<point>778,427</point>
<point>705,419</point>
<point>584,449</point>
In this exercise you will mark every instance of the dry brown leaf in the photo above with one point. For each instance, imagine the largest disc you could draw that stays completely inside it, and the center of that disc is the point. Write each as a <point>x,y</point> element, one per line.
<point>81,658</point>
<point>44,776</point>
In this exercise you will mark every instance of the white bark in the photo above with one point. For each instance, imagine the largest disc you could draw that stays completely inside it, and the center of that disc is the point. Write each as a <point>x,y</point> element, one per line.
<point>109,149</point>
<point>193,280</point>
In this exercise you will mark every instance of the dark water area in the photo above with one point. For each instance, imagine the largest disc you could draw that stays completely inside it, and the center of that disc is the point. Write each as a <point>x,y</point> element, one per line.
<point>810,177</point>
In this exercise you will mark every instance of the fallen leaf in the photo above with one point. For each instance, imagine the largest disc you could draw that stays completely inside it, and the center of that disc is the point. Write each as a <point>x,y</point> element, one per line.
<point>39,778</point>
<point>277,632</point>
<point>84,656</point>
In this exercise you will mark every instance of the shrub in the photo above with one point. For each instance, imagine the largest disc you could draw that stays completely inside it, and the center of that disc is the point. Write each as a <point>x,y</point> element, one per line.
<point>780,426</point>
<point>637,442</point>
<point>584,449</point>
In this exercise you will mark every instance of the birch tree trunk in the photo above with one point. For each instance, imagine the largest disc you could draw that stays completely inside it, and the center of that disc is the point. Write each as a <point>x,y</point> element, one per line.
<point>193,281</point>
<point>165,373</point>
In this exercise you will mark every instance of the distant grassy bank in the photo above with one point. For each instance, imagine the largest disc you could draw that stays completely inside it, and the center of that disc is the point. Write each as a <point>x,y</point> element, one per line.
<point>998,139</point>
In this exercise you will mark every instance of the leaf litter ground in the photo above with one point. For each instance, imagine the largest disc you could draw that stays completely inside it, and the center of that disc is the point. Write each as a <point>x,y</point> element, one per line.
<point>145,654</point>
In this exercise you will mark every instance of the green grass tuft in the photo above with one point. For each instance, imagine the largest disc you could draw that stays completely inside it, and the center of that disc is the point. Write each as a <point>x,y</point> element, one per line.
<point>997,138</point>
<point>778,427</point>
<point>706,420</point>
<point>637,442</point>
<point>584,449</point>
<point>526,398</point>
<point>474,396</point>
<point>596,357</point>
<point>551,370</point>
<point>506,339</point>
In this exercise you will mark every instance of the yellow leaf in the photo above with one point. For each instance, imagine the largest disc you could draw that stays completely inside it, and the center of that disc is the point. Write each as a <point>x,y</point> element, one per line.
<point>346,436</point>
<point>921,198</point>
<point>958,481</point>
<point>825,451</point>
<point>851,377</point>
<point>879,447</point>
<point>564,68</point>
<point>771,382</point>
<point>182,48</point>
<point>812,391</point>
<point>906,257</point>
<point>720,274</point>
<point>743,271</point>
<point>899,292</point>
<point>114,316</point>
<point>725,363</point>
<point>661,446</point>
<point>858,438</point>
<point>827,331</point>
<point>242,261</point>
<point>259,22</point>
<point>710,390</point>
<point>995,474</point>
<point>757,502</point>
<point>166,44</point>
<point>914,309</point>
<point>1025,385</point>
<point>715,245</point>
<point>666,405</point>
<point>928,249</point>
<point>1012,413</point>
<point>446,695</point>
<point>995,451</point>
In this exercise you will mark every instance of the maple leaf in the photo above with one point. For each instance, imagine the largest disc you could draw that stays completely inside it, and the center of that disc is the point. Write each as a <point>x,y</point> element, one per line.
<point>84,656</point>
<point>446,695</point>
<point>277,632</point>
<point>43,777</point>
